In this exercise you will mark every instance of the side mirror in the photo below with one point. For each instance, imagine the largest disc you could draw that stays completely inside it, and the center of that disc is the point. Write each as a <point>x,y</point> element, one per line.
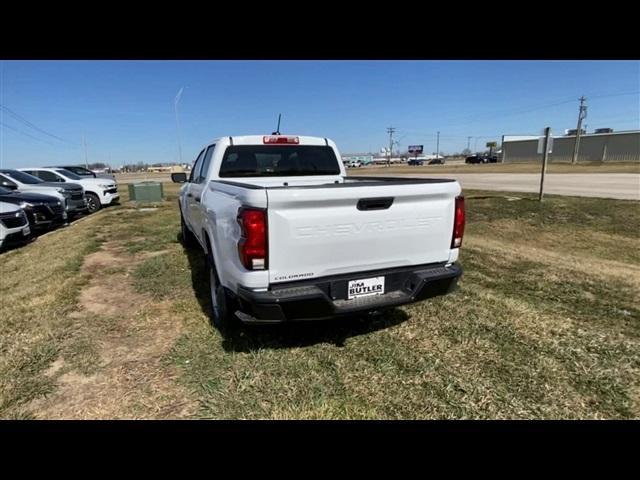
<point>9,185</point>
<point>179,177</point>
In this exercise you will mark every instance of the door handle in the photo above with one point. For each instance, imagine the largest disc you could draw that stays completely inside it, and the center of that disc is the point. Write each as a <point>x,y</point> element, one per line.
<point>374,203</point>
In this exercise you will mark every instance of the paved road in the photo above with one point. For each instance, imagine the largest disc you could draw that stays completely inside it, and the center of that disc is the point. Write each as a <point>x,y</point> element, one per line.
<point>604,185</point>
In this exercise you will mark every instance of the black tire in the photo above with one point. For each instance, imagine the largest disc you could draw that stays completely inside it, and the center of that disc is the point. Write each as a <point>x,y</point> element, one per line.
<point>188,239</point>
<point>223,306</point>
<point>93,202</point>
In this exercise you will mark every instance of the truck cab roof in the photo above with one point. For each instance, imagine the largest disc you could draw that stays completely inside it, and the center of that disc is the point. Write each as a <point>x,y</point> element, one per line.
<point>267,139</point>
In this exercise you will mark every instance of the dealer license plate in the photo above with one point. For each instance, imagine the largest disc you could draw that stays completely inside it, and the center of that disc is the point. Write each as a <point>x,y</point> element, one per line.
<point>365,287</point>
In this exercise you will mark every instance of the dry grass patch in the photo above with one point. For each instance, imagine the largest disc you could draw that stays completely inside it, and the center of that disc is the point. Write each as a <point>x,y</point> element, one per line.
<point>105,355</point>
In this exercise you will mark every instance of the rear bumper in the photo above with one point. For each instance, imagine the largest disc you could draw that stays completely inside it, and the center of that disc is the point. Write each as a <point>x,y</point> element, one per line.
<point>325,298</point>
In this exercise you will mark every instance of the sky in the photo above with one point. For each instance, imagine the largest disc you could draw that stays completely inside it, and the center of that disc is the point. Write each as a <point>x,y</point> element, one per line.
<point>125,109</point>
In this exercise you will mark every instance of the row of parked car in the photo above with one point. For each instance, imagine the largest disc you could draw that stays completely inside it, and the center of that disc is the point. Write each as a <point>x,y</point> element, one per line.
<point>37,199</point>
<point>420,161</point>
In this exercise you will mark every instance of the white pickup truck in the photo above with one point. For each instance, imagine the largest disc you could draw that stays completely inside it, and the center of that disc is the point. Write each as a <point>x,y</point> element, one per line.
<point>288,236</point>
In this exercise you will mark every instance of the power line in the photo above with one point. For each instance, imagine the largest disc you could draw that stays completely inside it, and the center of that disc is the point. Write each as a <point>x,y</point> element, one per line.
<point>637,92</point>
<point>520,110</point>
<point>505,113</point>
<point>24,133</point>
<point>35,127</point>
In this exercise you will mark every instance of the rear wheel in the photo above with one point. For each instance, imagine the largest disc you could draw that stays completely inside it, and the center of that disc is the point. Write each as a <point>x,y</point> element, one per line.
<point>187,237</point>
<point>222,305</point>
<point>93,202</point>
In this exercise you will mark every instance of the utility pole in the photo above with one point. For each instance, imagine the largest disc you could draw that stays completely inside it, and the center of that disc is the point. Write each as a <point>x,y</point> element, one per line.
<point>86,160</point>
<point>438,146</point>
<point>175,105</point>
<point>468,142</point>
<point>545,156</point>
<point>582,114</point>
<point>390,131</point>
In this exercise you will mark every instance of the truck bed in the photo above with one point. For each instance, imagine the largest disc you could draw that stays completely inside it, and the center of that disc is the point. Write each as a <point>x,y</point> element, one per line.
<point>347,182</point>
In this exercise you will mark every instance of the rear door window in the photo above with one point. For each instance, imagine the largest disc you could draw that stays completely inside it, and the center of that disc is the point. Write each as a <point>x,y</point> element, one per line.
<point>69,174</point>
<point>47,176</point>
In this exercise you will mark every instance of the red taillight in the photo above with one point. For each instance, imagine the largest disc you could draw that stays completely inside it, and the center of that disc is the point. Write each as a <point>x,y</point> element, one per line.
<point>252,246</point>
<point>280,139</point>
<point>458,223</point>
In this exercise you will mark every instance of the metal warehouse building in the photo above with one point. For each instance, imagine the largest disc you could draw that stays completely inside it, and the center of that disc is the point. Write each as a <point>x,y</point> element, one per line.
<point>623,146</point>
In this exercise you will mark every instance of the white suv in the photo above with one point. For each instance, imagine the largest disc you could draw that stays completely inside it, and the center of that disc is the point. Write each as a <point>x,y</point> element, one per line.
<point>14,225</point>
<point>99,192</point>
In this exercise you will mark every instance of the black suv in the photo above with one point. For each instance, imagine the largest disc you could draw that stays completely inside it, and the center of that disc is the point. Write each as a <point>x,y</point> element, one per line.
<point>474,159</point>
<point>43,211</point>
<point>481,159</point>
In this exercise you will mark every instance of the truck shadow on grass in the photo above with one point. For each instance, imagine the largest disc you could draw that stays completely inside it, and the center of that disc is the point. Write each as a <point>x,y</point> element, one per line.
<point>247,338</point>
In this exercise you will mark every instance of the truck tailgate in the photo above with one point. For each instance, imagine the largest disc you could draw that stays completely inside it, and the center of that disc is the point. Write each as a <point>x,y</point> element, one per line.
<point>349,228</point>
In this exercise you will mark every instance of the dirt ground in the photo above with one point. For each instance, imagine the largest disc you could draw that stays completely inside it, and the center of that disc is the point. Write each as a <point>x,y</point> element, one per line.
<point>131,380</point>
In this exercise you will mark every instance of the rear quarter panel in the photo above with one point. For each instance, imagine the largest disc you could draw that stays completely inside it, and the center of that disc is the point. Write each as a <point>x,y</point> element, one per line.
<point>221,203</point>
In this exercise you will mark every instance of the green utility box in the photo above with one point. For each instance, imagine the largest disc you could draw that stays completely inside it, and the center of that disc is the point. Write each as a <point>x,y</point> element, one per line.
<point>146,192</point>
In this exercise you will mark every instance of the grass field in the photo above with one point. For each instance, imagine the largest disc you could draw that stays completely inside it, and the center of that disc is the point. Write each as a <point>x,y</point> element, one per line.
<point>108,318</point>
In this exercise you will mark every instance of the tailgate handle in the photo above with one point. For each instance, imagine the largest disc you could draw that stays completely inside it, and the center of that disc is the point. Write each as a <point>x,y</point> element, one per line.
<point>375,203</point>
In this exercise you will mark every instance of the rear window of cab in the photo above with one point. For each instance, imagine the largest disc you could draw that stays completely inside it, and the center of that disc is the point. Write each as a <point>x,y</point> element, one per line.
<point>278,160</point>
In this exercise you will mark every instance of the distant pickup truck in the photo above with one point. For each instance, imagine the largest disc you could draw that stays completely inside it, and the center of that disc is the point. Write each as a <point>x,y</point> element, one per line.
<point>288,236</point>
<point>353,164</point>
